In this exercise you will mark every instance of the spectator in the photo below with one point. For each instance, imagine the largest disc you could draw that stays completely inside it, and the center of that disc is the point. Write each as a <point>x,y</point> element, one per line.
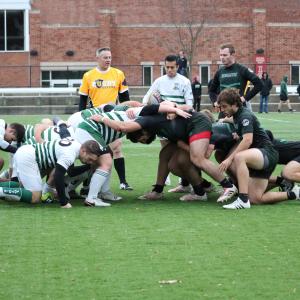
<point>284,97</point>
<point>197,91</point>
<point>298,89</point>
<point>233,75</point>
<point>265,92</point>
<point>182,64</point>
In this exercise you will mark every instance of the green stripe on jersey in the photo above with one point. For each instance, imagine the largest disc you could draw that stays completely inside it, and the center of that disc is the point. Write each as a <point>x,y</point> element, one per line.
<point>29,132</point>
<point>45,154</point>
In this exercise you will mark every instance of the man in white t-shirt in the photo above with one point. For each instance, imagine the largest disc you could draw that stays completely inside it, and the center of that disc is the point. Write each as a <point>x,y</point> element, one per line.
<point>171,87</point>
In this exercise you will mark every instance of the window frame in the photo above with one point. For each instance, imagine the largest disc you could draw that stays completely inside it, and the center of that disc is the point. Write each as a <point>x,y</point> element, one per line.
<point>25,30</point>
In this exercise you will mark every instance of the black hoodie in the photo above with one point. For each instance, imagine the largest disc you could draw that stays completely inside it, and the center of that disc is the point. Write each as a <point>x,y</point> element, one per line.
<point>267,85</point>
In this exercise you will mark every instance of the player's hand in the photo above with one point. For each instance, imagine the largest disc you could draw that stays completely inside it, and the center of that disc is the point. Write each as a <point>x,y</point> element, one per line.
<point>130,113</point>
<point>68,205</point>
<point>224,165</point>
<point>171,116</point>
<point>243,99</point>
<point>182,113</point>
<point>96,118</point>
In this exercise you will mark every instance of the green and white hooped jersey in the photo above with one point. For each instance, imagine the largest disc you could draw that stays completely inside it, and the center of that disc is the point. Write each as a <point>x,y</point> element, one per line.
<point>176,89</point>
<point>29,133</point>
<point>87,113</point>
<point>50,134</point>
<point>63,152</point>
<point>103,134</point>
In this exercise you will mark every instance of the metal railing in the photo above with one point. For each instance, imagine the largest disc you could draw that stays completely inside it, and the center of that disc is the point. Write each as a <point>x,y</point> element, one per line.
<point>63,76</point>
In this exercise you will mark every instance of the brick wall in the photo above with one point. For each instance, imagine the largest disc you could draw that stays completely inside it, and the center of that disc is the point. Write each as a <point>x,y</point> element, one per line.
<point>144,30</point>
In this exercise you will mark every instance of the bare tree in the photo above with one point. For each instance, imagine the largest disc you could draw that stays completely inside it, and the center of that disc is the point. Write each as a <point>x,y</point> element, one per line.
<point>189,18</point>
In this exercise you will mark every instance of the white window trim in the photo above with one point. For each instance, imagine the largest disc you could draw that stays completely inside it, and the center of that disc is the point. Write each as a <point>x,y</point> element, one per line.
<point>204,64</point>
<point>26,26</point>
<point>151,75</point>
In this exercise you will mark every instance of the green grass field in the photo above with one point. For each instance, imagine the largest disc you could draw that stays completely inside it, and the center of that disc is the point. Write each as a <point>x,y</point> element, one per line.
<point>126,250</point>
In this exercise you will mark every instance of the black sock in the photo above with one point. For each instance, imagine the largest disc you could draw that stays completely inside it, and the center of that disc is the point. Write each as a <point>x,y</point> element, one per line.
<point>198,189</point>
<point>279,180</point>
<point>225,183</point>
<point>205,183</point>
<point>184,182</point>
<point>243,197</point>
<point>158,188</point>
<point>291,195</point>
<point>119,164</point>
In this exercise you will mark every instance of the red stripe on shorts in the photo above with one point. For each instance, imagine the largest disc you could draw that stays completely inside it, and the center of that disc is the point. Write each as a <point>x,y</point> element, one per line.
<point>199,136</point>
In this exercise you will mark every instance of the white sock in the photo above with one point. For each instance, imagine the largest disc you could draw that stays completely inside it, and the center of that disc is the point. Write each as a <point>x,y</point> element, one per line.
<point>97,181</point>
<point>106,185</point>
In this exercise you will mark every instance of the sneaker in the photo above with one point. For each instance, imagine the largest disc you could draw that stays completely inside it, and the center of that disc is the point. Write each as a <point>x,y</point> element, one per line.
<point>286,185</point>
<point>168,181</point>
<point>292,110</point>
<point>180,189</point>
<point>193,197</point>
<point>151,196</point>
<point>47,198</point>
<point>279,110</point>
<point>96,202</point>
<point>228,193</point>
<point>125,186</point>
<point>296,191</point>
<point>109,196</point>
<point>84,192</point>
<point>237,204</point>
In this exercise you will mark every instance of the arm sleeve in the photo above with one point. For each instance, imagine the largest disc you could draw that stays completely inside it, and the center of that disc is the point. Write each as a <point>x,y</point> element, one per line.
<point>75,171</point>
<point>82,102</point>
<point>214,88</point>
<point>124,96</point>
<point>153,87</point>
<point>188,94</point>
<point>10,149</point>
<point>59,174</point>
<point>255,80</point>
<point>149,110</point>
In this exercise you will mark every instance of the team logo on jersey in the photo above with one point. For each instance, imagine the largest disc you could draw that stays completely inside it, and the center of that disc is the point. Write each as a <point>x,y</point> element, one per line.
<point>245,122</point>
<point>176,86</point>
<point>98,83</point>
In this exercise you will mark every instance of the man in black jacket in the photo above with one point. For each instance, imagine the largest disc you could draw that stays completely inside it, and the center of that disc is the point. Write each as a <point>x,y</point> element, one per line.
<point>233,75</point>
<point>265,92</point>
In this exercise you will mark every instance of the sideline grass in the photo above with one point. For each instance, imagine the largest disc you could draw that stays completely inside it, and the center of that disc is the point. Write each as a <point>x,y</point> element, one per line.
<point>122,252</point>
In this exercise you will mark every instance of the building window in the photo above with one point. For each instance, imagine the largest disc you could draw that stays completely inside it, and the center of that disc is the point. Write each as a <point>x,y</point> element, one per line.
<point>13,30</point>
<point>295,74</point>
<point>204,71</point>
<point>62,78</point>
<point>147,75</point>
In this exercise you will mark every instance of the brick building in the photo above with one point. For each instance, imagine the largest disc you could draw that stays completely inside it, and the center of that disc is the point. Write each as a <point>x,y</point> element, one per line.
<point>52,42</point>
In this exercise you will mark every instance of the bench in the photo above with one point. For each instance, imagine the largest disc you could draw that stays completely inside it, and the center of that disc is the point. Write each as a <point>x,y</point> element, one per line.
<point>38,91</point>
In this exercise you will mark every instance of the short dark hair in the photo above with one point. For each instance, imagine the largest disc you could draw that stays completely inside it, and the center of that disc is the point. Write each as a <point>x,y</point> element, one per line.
<point>136,135</point>
<point>230,96</point>
<point>100,50</point>
<point>171,58</point>
<point>19,129</point>
<point>229,46</point>
<point>92,147</point>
